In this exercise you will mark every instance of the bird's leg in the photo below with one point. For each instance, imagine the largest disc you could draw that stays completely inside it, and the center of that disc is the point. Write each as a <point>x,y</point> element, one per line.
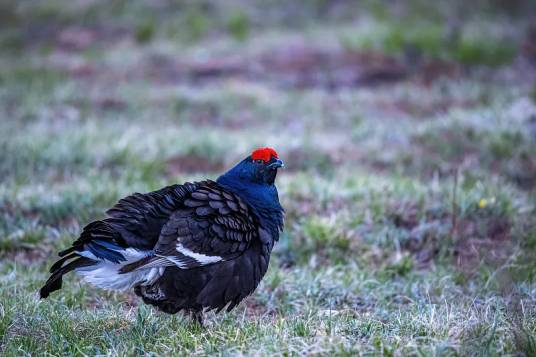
<point>197,316</point>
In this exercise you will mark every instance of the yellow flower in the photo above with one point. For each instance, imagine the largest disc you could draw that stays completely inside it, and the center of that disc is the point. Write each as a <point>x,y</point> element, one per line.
<point>483,203</point>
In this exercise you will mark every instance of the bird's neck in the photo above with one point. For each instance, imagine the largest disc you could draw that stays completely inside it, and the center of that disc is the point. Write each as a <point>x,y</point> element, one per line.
<point>262,199</point>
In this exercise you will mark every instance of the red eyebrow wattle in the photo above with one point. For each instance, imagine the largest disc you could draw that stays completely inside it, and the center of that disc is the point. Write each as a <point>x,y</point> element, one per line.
<point>264,154</point>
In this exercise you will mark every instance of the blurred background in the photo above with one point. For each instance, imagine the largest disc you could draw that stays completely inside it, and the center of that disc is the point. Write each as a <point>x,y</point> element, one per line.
<point>408,129</point>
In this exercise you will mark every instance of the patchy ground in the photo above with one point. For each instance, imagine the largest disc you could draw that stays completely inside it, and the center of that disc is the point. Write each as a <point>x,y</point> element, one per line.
<point>409,136</point>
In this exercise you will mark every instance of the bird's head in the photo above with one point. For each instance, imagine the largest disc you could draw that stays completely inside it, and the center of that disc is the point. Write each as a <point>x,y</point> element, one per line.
<point>260,168</point>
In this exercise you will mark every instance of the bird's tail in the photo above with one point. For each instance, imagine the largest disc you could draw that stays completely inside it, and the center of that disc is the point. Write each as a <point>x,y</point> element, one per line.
<point>98,256</point>
<point>57,270</point>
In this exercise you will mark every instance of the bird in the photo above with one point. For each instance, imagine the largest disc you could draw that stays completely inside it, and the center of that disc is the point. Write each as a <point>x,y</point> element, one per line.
<point>195,247</point>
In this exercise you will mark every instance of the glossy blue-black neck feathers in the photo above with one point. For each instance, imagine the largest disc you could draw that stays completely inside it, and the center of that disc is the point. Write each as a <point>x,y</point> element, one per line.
<point>261,197</point>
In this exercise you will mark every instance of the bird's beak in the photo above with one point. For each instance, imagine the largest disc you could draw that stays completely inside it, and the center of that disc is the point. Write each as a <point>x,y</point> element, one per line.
<point>276,164</point>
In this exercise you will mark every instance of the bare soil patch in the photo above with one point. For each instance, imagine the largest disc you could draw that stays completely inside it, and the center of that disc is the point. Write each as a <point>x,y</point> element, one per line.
<point>297,67</point>
<point>486,240</point>
<point>184,164</point>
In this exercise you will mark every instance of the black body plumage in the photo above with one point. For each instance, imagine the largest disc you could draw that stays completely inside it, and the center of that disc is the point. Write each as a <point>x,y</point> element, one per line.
<point>197,246</point>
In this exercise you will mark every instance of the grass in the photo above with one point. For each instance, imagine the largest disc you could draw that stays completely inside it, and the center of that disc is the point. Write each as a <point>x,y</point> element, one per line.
<point>410,200</point>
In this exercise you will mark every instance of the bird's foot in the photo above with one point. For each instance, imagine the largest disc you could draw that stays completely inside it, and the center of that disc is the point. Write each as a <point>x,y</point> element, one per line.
<point>197,317</point>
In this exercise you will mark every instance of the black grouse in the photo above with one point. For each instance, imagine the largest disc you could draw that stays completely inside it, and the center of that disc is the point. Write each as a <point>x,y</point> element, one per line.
<point>194,247</point>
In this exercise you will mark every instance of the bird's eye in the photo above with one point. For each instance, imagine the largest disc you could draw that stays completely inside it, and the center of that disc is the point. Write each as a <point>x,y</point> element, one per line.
<point>259,161</point>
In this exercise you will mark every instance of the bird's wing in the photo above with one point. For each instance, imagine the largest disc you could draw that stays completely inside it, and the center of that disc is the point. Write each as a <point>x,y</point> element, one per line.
<point>140,217</point>
<point>213,225</point>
